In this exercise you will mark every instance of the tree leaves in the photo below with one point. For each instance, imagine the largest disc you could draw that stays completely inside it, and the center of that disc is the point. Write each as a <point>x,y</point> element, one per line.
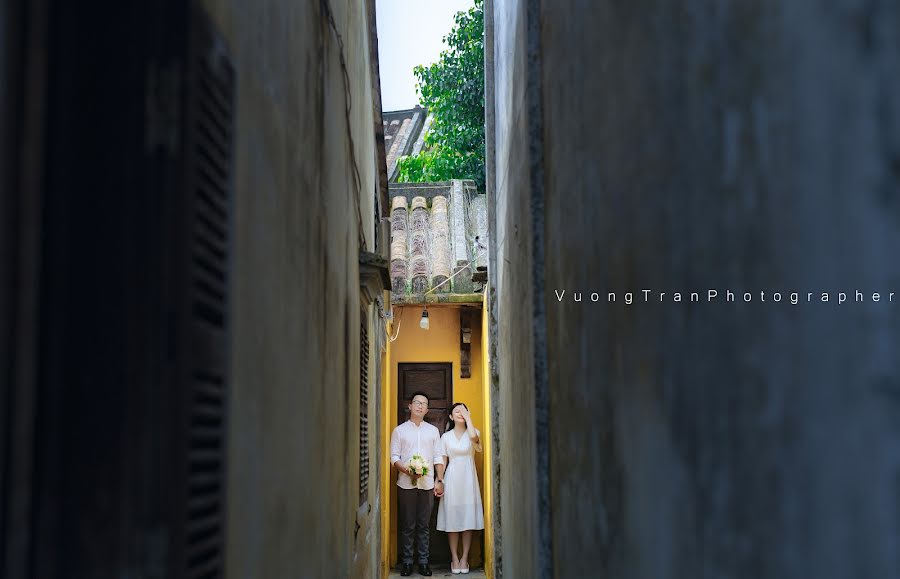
<point>452,89</point>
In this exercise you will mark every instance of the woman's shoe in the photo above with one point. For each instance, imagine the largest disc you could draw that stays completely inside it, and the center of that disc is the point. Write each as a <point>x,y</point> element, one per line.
<point>454,570</point>
<point>464,570</point>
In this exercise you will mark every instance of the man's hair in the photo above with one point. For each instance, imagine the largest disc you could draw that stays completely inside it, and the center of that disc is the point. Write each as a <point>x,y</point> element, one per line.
<point>419,393</point>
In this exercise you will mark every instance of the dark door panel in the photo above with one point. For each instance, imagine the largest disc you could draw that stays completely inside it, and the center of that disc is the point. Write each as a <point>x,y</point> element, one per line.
<point>436,381</point>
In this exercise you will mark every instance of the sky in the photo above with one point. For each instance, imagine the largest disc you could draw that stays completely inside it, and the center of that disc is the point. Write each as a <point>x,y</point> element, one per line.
<point>410,32</point>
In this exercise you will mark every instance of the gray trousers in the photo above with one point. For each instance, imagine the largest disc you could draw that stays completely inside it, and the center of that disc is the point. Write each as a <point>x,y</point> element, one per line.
<point>414,508</point>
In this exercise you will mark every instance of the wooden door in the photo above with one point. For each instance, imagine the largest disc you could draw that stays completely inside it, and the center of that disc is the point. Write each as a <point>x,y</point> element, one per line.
<point>436,381</point>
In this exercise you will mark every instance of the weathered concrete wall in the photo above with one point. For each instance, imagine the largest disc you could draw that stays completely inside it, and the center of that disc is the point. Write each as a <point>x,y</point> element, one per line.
<point>494,545</point>
<point>750,146</point>
<point>293,491</point>
<point>517,455</point>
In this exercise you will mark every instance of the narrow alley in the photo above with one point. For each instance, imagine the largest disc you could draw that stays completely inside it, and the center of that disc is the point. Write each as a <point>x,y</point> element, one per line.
<point>220,295</point>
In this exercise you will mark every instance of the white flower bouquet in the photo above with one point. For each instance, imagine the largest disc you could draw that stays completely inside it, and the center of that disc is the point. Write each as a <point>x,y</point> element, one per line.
<point>417,467</point>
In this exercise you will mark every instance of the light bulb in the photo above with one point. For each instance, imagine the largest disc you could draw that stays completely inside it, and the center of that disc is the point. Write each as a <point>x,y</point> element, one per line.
<point>423,323</point>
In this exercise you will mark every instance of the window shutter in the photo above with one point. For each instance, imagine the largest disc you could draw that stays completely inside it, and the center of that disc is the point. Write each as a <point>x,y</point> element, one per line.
<point>209,152</point>
<point>363,409</point>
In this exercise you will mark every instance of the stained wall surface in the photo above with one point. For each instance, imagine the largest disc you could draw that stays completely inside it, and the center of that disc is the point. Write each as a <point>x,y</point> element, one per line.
<point>300,216</point>
<point>744,146</point>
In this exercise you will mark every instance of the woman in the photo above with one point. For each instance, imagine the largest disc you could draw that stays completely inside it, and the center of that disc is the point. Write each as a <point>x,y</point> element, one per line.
<point>460,511</point>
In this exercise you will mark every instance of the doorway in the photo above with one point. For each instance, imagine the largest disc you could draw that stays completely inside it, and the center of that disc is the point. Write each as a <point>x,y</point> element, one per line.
<point>435,379</point>
<point>434,361</point>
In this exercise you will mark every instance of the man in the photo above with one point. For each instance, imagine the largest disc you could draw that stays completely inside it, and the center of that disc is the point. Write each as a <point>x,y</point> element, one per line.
<point>415,497</point>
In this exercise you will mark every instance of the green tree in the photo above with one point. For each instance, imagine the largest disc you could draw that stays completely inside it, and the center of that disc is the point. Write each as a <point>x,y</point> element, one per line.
<point>452,89</point>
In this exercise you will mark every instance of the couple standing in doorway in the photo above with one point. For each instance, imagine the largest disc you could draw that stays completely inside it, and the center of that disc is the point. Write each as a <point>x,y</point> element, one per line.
<point>450,478</point>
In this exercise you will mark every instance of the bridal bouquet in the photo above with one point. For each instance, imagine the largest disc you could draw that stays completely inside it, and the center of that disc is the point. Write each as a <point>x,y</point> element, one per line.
<point>418,467</point>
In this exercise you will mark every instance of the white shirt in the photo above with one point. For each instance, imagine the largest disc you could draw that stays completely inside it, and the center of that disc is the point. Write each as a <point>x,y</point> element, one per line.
<point>424,440</point>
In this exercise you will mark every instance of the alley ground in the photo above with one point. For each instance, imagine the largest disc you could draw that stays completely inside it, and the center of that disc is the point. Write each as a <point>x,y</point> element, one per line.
<point>441,571</point>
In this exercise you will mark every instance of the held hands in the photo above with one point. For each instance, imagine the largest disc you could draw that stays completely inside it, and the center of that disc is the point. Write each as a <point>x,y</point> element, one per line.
<point>438,488</point>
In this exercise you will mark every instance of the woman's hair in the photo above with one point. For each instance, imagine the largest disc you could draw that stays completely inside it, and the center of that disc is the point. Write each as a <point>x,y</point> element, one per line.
<point>451,424</point>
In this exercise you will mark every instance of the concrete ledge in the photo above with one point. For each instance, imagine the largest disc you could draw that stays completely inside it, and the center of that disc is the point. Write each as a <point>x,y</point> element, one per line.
<point>426,190</point>
<point>435,298</point>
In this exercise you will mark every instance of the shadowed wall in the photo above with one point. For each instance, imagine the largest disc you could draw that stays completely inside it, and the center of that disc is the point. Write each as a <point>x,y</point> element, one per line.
<point>743,146</point>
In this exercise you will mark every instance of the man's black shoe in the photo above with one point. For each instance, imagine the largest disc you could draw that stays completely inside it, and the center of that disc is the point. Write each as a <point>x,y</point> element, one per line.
<point>406,570</point>
<point>425,570</point>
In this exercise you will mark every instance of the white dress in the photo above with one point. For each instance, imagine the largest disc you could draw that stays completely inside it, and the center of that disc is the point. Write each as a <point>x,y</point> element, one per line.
<point>460,508</point>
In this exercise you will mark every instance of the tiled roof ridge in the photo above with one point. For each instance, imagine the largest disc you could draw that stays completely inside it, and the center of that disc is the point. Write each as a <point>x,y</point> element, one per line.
<point>403,111</point>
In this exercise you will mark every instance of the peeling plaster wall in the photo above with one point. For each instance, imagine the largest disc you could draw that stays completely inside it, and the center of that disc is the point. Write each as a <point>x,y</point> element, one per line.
<point>518,490</point>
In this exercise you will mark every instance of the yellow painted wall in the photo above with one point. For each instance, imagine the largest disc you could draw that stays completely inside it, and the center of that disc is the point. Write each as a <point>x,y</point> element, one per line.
<point>388,399</point>
<point>440,343</point>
